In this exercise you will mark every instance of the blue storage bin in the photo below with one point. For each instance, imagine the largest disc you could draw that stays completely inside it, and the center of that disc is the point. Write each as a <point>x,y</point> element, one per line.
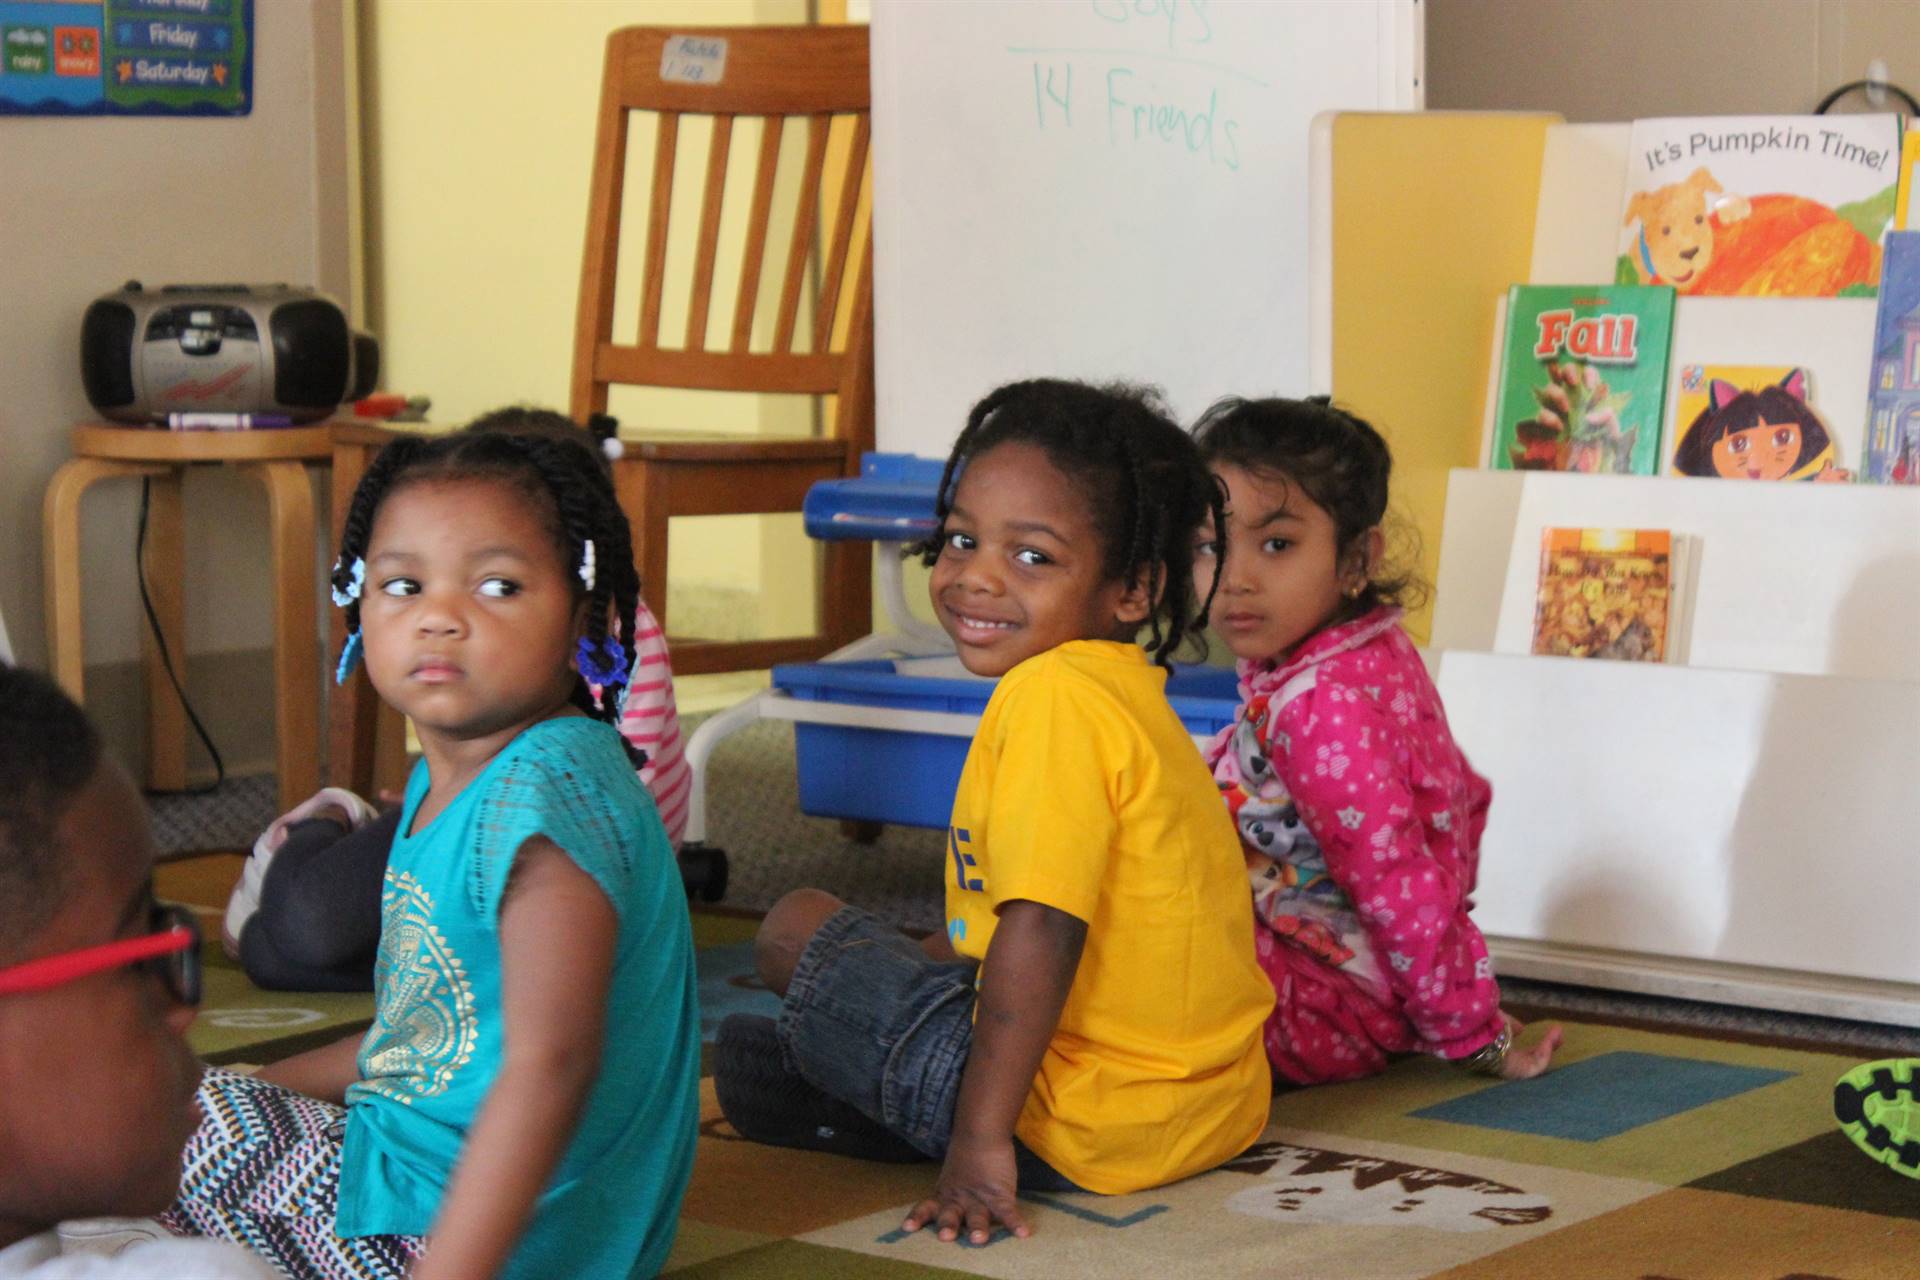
<point>908,778</point>
<point>891,500</point>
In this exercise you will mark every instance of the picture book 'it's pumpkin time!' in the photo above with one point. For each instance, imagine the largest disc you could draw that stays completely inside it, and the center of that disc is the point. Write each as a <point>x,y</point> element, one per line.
<point>1759,206</point>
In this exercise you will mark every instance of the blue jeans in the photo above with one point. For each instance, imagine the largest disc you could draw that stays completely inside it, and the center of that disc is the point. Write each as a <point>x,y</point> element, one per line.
<point>873,1020</point>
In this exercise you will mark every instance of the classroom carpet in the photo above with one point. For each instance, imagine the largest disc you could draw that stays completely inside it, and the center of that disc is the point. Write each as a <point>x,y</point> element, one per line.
<point>1645,1153</point>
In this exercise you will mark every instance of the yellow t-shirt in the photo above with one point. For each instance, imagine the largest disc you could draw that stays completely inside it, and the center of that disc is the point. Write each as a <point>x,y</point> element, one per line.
<point>1083,792</point>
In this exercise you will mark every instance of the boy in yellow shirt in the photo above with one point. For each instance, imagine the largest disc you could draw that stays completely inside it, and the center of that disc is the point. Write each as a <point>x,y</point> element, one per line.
<point>1092,1019</point>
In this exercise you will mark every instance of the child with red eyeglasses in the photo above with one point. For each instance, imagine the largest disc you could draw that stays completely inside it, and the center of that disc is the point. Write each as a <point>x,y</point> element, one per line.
<point>97,986</point>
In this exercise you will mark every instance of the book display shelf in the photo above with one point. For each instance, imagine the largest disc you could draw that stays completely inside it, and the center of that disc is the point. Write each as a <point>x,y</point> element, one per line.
<point>1741,825</point>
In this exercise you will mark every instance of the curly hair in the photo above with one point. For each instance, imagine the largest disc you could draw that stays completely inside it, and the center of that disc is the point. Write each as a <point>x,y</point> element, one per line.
<point>1144,481</point>
<point>48,752</point>
<point>1338,460</point>
<point>562,472</point>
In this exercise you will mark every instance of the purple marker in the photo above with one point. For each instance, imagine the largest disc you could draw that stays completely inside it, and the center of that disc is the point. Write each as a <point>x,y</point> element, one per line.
<point>226,421</point>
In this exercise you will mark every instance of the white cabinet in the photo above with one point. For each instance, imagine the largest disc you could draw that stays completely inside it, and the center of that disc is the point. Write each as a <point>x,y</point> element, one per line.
<point>1742,828</point>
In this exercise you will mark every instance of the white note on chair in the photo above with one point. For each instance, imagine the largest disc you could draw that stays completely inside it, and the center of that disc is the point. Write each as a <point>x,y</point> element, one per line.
<point>694,60</point>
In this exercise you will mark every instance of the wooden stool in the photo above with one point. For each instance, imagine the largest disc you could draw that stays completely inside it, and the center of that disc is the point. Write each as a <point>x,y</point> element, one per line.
<point>278,459</point>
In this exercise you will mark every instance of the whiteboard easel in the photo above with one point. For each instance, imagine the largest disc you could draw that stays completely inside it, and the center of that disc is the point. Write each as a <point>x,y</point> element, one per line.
<point>1105,189</point>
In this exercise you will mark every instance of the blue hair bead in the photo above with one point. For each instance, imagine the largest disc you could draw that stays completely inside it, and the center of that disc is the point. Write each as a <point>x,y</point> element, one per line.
<point>602,662</point>
<point>349,658</point>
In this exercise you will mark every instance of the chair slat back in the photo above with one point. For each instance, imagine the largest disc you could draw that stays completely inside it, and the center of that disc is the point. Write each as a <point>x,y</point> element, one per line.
<point>803,224</point>
<point>759,215</point>
<point>813,76</point>
<point>711,198</point>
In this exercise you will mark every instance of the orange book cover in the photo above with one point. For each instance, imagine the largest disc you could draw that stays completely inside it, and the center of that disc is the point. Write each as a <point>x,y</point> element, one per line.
<point>1605,593</point>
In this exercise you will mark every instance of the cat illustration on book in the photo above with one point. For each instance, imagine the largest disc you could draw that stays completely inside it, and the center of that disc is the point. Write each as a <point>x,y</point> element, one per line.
<point>1767,434</point>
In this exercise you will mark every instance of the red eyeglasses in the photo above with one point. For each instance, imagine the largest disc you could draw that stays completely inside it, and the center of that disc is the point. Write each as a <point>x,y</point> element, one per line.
<point>171,952</point>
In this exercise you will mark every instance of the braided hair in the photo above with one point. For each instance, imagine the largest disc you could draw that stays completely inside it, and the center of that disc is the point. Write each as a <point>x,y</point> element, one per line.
<point>564,473</point>
<point>1145,484</point>
<point>1338,460</point>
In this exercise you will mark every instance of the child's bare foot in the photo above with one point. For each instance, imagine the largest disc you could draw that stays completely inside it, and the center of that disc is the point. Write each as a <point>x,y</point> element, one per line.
<point>1524,1064</point>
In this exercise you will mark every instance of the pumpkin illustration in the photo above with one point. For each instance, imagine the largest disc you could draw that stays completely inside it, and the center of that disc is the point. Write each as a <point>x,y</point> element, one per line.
<point>1788,246</point>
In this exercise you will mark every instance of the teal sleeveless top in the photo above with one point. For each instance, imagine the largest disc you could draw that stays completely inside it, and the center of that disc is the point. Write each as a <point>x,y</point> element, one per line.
<point>435,1045</point>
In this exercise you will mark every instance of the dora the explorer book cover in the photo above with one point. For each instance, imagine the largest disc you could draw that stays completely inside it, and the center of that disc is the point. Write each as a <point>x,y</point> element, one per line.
<point>1605,593</point>
<point>1750,422</point>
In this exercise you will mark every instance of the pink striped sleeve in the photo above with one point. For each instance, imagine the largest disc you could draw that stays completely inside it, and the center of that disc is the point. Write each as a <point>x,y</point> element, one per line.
<point>652,723</point>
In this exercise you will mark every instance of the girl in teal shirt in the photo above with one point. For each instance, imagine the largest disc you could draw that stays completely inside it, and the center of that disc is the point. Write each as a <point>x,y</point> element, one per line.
<point>526,1100</point>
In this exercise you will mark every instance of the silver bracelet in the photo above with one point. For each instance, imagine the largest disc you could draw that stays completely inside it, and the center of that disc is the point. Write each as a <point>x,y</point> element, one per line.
<point>1488,1058</point>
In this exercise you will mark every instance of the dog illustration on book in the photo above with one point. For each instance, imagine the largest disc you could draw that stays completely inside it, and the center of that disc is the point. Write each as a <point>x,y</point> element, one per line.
<point>1312,1184</point>
<point>1678,224</point>
<point>1702,239</point>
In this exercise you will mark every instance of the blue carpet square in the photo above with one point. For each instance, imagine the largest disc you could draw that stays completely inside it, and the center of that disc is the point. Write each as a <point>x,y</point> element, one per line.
<point>1602,1096</point>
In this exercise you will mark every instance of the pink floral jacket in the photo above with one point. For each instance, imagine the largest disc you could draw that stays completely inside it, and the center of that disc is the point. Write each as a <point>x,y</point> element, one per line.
<point>1361,822</point>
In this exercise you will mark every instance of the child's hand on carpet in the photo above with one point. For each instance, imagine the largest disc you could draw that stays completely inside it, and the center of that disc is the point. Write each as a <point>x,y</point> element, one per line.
<point>976,1189</point>
<point>1524,1064</point>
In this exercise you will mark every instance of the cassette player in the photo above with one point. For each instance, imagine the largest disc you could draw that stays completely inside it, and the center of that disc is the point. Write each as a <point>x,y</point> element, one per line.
<point>229,348</point>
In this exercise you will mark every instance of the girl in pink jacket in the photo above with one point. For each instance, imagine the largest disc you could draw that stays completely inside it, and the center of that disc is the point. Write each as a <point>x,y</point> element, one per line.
<point>1359,816</point>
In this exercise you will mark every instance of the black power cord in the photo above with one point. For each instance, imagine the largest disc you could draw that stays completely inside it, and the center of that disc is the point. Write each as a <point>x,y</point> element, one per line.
<point>166,657</point>
<point>1913,108</point>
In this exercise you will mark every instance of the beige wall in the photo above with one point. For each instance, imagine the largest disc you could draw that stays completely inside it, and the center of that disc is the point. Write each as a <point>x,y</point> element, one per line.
<point>1602,60</point>
<point>88,203</point>
<point>478,142</point>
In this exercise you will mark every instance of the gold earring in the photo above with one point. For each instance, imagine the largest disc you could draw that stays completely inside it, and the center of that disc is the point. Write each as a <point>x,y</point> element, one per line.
<point>1354,592</point>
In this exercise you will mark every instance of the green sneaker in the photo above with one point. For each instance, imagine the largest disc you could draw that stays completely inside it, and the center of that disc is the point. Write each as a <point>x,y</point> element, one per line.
<point>1878,1107</point>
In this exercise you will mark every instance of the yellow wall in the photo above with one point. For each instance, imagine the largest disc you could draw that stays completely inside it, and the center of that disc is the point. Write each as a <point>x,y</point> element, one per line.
<point>478,140</point>
<point>1413,309</point>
